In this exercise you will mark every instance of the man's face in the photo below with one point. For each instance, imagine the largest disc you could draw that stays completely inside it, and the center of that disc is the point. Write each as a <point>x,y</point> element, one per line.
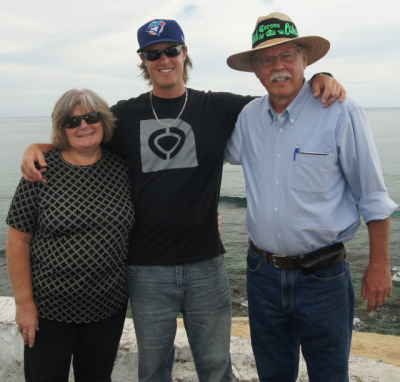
<point>166,73</point>
<point>281,70</point>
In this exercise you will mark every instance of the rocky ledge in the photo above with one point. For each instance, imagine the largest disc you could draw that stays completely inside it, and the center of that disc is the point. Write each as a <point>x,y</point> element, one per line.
<point>11,365</point>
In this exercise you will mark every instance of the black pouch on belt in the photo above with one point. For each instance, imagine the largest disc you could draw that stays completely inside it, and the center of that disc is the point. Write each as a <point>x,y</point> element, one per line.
<point>312,263</point>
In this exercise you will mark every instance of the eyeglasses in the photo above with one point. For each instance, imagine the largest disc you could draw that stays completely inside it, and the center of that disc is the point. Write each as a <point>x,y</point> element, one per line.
<point>285,57</point>
<point>155,54</point>
<point>75,121</point>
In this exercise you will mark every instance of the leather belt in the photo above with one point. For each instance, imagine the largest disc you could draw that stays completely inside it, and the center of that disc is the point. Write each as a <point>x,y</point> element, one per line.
<point>309,262</point>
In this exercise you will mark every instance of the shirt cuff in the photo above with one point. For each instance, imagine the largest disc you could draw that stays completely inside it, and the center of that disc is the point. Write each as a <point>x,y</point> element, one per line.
<point>377,206</point>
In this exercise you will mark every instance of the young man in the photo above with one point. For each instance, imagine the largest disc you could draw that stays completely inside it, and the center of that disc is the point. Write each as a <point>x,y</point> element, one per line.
<point>310,173</point>
<point>173,139</point>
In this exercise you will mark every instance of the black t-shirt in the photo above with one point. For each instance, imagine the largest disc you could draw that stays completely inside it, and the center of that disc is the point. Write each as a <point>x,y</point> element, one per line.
<point>175,172</point>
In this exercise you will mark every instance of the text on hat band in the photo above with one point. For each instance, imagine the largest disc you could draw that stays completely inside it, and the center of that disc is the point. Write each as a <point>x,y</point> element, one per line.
<point>273,28</point>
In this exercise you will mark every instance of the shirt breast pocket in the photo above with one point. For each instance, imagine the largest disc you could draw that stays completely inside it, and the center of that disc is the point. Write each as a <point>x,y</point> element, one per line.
<point>311,171</point>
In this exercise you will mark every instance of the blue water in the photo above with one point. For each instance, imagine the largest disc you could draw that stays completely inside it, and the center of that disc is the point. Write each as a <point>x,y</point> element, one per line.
<point>18,132</point>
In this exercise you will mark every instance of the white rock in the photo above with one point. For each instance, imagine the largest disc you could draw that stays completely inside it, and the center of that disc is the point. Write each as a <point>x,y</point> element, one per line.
<point>243,364</point>
<point>357,323</point>
<point>396,277</point>
<point>11,346</point>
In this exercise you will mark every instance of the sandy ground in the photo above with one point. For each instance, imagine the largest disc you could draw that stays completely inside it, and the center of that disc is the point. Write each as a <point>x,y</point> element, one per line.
<point>379,347</point>
<point>369,345</point>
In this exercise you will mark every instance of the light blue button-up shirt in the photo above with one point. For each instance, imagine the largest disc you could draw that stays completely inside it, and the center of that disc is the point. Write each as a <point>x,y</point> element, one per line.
<point>310,173</point>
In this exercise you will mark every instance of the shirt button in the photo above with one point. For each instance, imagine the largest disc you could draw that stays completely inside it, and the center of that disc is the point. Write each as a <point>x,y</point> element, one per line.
<point>278,155</point>
<point>275,209</point>
<point>277,182</point>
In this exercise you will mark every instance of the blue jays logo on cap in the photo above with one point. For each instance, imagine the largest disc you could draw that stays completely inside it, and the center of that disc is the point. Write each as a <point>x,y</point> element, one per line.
<point>159,30</point>
<point>156,27</point>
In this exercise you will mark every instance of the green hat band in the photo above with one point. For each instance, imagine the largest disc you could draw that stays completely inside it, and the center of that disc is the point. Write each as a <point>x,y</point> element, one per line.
<point>273,28</point>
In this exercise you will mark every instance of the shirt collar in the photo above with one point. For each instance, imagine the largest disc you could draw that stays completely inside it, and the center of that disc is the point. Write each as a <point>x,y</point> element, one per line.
<point>295,107</point>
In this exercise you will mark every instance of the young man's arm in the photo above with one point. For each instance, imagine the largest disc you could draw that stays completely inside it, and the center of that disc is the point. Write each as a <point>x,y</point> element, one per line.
<point>377,280</point>
<point>324,86</point>
<point>33,164</point>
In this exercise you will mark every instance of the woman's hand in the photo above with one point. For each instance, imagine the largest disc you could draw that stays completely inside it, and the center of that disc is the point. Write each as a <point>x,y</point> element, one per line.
<point>27,321</point>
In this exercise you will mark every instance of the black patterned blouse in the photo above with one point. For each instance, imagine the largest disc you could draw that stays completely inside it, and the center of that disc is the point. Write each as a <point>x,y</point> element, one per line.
<point>80,221</point>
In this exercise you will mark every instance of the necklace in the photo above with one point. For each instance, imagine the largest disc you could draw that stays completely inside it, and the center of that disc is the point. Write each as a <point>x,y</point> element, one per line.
<point>176,119</point>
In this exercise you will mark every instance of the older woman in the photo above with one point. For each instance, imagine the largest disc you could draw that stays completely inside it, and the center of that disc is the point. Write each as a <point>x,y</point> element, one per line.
<point>67,245</point>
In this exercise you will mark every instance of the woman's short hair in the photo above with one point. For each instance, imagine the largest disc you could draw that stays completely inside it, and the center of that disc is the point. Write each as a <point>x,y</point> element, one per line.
<point>186,66</point>
<point>87,99</point>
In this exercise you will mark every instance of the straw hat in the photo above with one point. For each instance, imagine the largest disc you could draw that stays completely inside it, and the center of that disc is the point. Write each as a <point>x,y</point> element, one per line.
<point>275,29</point>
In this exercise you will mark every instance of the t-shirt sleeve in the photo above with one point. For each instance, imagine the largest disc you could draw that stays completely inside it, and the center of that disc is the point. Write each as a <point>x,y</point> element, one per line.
<point>116,144</point>
<point>230,105</point>
<point>233,151</point>
<point>24,211</point>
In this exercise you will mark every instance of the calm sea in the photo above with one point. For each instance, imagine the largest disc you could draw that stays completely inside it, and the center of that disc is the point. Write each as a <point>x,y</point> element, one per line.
<point>17,132</point>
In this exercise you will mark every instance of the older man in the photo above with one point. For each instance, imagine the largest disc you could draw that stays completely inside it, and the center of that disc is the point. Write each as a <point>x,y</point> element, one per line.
<point>310,173</point>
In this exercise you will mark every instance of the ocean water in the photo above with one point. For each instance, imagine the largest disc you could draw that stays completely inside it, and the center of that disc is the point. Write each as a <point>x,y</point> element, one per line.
<point>18,132</point>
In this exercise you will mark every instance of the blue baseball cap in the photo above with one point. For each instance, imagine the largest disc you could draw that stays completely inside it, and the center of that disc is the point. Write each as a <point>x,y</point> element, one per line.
<point>159,30</point>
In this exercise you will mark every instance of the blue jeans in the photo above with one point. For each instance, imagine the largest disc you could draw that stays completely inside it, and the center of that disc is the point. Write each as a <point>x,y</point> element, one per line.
<point>289,309</point>
<point>200,291</point>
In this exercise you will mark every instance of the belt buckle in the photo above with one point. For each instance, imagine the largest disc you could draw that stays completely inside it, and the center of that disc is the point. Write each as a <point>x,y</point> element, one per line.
<point>274,261</point>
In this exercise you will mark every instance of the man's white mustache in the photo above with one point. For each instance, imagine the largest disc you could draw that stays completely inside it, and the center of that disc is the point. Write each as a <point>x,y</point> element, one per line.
<point>285,75</point>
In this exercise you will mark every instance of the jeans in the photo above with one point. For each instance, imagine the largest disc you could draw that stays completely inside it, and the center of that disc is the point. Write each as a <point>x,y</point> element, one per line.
<point>289,309</point>
<point>200,291</point>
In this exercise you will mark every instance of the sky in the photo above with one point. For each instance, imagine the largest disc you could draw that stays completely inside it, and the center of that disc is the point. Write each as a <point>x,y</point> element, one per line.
<point>48,46</point>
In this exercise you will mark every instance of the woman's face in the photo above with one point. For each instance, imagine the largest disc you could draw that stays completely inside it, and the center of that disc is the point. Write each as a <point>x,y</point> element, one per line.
<point>87,135</point>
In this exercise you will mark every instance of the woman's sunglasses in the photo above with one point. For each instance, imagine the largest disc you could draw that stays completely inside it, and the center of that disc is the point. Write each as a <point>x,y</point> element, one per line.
<point>75,121</point>
<point>155,54</point>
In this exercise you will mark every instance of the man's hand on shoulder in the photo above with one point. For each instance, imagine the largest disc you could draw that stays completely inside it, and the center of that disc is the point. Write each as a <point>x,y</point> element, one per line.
<point>327,89</point>
<point>33,164</point>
